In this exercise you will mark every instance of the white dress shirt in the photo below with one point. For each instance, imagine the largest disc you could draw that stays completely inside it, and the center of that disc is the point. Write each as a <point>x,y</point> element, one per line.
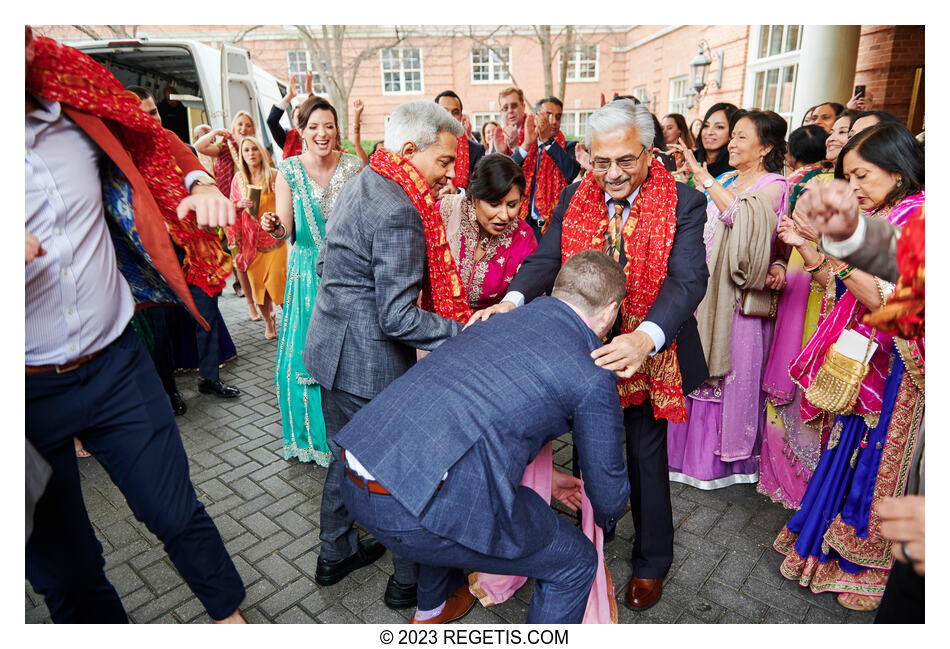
<point>650,328</point>
<point>77,301</point>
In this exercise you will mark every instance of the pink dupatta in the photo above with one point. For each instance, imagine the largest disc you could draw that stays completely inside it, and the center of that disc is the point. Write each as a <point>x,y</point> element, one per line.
<point>847,311</point>
<point>495,589</point>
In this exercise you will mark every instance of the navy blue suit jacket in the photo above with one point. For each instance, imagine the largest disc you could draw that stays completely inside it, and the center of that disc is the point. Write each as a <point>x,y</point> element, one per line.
<point>481,406</point>
<point>682,290</point>
<point>475,153</point>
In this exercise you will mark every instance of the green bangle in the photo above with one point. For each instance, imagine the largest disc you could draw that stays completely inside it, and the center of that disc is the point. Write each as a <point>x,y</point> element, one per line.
<point>843,274</point>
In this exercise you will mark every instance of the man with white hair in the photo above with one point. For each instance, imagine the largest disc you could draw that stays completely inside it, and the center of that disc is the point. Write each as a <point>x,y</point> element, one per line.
<point>384,245</point>
<point>630,207</point>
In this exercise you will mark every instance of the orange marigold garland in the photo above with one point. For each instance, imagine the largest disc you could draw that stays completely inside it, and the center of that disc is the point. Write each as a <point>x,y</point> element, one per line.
<point>443,294</point>
<point>64,74</point>
<point>550,182</point>
<point>461,164</point>
<point>647,240</point>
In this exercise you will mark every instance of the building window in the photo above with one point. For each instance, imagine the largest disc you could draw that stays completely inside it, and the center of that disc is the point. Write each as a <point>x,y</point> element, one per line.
<point>402,70</point>
<point>679,102</point>
<point>574,124</point>
<point>298,62</point>
<point>772,72</point>
<point>640,92</point>
<point>583,63</point>
<point>490,64</point>
<point>480,119</point>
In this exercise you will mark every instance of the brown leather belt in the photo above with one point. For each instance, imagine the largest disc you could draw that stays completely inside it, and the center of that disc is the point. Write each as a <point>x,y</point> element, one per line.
<point>62,369</point>
<point>371,485</point>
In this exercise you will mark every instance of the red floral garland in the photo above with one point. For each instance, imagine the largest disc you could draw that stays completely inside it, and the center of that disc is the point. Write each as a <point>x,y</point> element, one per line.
<point>647,240</point>
<point>64,74</point>
<point>550,182</point>
<point>461,164</point>
<point>443,293</point>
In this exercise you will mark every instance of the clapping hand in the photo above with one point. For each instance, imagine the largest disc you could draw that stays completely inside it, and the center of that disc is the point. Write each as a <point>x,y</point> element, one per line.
<point>582,155</point>
<point>501,145</point>
<point>292,89</point>
<point>690,163</point>
<point>830,208</point>
<point>566,489</point>
<point>358,108</point>
<point>467,126</point>
<point>530,130</point>
<point>309,80</point>
<point>511,136</point>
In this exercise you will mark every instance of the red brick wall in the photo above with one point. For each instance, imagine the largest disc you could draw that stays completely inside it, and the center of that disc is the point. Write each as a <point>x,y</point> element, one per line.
<point>888,55</point>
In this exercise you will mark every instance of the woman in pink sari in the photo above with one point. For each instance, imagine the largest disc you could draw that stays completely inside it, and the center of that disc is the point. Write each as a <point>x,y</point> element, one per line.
<point>489,242</point>
<point>719,445</point>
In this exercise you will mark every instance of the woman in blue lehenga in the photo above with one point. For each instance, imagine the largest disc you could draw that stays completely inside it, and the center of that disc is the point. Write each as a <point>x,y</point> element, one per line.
<point>833,543</point>
<point>307,188</point>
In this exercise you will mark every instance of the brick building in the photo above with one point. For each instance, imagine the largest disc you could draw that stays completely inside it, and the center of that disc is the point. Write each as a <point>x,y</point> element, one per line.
<point>785,68</point>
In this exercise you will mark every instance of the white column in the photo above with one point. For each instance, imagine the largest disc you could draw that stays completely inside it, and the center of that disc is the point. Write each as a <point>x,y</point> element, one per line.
<point>826,67</point>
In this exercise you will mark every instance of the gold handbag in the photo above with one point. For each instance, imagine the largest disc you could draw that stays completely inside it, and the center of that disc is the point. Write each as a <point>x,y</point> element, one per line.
<point>759,302</point>
<point>835,386</point>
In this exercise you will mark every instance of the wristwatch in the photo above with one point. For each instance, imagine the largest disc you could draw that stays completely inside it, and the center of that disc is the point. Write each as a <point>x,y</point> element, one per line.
<point>708,182</point>
<point>203,179</point>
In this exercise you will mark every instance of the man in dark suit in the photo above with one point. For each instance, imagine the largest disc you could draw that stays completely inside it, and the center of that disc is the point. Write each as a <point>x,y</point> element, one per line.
<point>473,151</point>
<point>620,138</point>
<point>554,165</point>
<point>366,325</point>
<point>434,463</point>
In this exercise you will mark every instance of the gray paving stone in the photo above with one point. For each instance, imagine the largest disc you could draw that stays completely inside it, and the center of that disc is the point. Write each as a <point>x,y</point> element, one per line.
<point>124,579</point>
<point>295,524</point>
<point>379,613</point>
<point>286,596</point>
<point>277,570</point>
<point>732,599</point>
<point>260,525</point>
<point>295,615</point>
<point>161,577</point>
<point>818,615</point>
<point>701,520</point>
<point>366,593</point>
<point>337,614</point>
<point>267,547</point>
<point>775,598</point>
<point>695,570</point>
<point>159,606</point>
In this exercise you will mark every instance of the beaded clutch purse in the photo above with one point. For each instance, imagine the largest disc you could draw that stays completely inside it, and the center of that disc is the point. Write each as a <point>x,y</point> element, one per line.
<point>835,387</point>
<point>759,302</point>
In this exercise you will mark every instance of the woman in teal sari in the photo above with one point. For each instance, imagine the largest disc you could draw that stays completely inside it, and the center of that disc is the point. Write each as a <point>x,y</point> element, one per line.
<point>306,190</point>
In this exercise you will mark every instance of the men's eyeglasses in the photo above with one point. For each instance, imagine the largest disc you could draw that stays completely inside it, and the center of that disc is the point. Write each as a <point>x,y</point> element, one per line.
<point>626,163</point>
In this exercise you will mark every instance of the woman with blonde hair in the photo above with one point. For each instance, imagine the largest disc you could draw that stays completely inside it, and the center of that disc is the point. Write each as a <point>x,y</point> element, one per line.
<point>259,255</point>
<point>225,168</point>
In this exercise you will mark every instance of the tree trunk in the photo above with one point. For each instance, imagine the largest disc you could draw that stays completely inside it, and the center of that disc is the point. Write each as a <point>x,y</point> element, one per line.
<point>544,36</point>
<point>566,51</point>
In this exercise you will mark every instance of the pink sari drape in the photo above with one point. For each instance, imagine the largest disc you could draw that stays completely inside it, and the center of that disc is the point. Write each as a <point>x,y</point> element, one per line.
<point>494,589</point>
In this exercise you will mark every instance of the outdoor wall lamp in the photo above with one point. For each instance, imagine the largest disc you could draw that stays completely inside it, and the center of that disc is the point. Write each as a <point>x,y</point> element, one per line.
<point>700,67</point>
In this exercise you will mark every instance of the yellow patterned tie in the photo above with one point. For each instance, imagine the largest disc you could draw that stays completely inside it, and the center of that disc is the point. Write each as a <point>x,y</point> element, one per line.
<point>614,228</point>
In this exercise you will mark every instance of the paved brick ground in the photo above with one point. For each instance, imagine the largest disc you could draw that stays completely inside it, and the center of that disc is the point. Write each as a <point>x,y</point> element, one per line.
<point>267,510</point>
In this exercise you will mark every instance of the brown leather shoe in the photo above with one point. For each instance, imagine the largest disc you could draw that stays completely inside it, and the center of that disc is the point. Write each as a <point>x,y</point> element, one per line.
<point>643,593</point>
<point>455,607</point>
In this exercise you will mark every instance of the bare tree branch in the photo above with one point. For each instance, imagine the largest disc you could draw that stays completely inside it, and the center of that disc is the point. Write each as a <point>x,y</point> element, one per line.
<point>88,31</point>
<point>241,35</point>
<point>119,30</point>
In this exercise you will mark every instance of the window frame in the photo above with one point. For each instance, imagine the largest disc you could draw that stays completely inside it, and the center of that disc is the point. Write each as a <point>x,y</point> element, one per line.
<point>401,71</point>
<point>493,64</point>
<point>679,103</point>
<point>785,58</point>
<point>573,66</point>
<point>318,86</point>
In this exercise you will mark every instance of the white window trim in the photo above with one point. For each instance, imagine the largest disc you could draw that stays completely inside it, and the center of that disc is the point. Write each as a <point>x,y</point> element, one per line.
<point>596,76</point>
<point>319,86</point>
<point>754,66</point>
<point>489,81</point>
<point>646,95</point>
<point>422,76</point>
<point>683,98</point>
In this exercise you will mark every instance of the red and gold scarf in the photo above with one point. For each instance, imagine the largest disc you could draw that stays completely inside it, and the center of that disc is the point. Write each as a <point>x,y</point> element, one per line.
<point>551,182</point>
<point>225,165</point>
<point>647,239</point>
<point>443,294</point>
<point>64,74</point>
<point>293,145</point>
<point>461,164</point>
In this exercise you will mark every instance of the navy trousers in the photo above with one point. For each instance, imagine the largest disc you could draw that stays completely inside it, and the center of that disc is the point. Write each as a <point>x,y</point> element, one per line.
<point>207,340</point>
<point>116,405</point>
<point>338,537</point>
<point>564,570</point>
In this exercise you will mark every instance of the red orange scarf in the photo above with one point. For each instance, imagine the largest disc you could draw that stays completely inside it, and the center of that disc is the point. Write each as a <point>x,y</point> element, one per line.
<point>461,164</point>
<point>647,240</point>
<point>443,294</point>
<point>64,74</point>
<point>293,145</point>
<point>550,182</point>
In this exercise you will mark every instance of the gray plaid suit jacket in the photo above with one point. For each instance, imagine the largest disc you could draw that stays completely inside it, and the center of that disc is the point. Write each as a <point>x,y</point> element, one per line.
<point>366,324</point>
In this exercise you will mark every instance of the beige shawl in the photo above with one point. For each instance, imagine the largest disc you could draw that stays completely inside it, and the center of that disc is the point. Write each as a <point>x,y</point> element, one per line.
<point>739,260</point>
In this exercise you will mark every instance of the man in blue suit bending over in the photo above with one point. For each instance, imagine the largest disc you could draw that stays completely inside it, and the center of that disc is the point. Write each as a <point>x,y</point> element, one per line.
<point>433,464</point>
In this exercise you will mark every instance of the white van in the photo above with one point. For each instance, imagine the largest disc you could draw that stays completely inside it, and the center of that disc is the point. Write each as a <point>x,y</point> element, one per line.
<point>214,84</point>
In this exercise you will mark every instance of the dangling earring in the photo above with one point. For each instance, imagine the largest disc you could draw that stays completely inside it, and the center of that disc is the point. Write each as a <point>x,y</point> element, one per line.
<point>900,181</point>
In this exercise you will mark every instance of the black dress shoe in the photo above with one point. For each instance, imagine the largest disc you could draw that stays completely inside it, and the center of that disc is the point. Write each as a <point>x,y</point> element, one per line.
<point>330,572</point>
<point>217,387</point>
<point>178,403</point>
<point>398,596</point>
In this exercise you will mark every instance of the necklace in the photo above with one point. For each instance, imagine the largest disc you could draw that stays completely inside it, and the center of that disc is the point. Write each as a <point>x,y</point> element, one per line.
<point>483,242</point>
